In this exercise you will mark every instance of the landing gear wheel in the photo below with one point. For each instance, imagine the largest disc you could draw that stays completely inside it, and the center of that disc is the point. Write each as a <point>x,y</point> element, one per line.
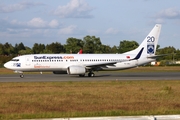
<point>21,76</point>
<point>91,74</point>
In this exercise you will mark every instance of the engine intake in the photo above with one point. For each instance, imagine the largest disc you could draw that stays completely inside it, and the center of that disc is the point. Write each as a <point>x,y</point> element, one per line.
<point>76,70</point>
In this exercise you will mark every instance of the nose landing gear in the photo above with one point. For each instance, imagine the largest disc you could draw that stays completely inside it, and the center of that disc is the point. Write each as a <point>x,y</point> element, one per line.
<point>21,75</point>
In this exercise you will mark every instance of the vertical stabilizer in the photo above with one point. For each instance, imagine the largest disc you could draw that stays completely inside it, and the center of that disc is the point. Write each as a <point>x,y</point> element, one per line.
<point>150,42</point>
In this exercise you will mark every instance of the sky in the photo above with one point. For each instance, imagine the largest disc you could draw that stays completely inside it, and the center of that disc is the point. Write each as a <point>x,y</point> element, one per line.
<point>47,21</point>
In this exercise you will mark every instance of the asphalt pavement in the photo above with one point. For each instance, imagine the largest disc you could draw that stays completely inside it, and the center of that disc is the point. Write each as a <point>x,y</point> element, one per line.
<point>100,76</point>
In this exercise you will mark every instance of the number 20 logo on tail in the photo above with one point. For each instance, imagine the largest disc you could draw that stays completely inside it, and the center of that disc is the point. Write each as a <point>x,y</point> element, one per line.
<point>150,45</point>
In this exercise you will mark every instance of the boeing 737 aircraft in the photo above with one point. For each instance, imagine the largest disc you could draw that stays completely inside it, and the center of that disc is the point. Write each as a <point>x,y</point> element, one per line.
<point>80,64</point>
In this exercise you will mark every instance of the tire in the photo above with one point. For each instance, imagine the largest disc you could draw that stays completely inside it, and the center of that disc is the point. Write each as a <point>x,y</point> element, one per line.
<point>91,74</point>
<point>21,76</point>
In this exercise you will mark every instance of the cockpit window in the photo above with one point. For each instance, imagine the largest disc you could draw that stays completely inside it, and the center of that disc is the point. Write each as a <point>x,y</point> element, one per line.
<point>15,60</point>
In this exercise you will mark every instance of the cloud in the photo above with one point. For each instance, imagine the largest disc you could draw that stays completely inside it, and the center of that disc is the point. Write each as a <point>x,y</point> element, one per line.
<point>34,23</point>
<point>93,32</point>
<point>37,22</point>
<point>111,31</point>
<point>170,13</point>
<point>162,16</point>
<point>74,9</point>
<point>18,6</point>
<point>68,30</point>
<point>159,20</point>
<point>54,23</point>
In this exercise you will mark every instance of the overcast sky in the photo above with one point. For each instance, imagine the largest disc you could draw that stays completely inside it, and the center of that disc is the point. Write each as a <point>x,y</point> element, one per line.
<point>47,21</point>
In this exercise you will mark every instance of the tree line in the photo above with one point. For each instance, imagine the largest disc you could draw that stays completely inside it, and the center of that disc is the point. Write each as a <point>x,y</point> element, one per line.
<point>89,44</point>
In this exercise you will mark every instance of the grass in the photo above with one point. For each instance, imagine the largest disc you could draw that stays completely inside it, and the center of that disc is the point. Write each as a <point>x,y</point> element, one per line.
<point>84,99</point>
<point>5,71</point>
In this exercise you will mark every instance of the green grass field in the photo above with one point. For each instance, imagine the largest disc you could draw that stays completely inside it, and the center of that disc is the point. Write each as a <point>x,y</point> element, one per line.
<point>96,98</point>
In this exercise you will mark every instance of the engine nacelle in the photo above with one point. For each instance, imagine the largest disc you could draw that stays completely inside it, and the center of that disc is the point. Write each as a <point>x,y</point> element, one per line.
<point>76,70</point>
<point>60,72</point>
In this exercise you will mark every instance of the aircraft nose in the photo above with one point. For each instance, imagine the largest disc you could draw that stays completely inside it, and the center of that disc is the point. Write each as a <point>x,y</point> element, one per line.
<point>6,65</point>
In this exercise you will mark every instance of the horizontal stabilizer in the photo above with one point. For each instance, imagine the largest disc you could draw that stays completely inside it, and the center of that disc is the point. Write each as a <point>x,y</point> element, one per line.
<point>156,56</point>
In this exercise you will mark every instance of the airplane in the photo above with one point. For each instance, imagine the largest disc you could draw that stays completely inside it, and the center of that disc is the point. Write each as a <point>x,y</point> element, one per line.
<point>80,64</point>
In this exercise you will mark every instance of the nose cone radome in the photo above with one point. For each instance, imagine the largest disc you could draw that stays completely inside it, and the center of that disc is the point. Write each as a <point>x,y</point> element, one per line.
<point>6,65</point>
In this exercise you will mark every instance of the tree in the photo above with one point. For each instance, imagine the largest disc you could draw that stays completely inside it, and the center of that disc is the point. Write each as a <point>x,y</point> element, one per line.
<point>177,56</point>
<point>157,47</point>
<point>38,48</point>
<point>8,49</point>
<point>2,50</point>
<point>47,51</point>
<point>170,51</point>
<point>92,44</point>
<point>19,47</point>
<point>105,49</point>
<point>26,51</point>
<point>73,45</point>
<point>55,47</point>
<point>125,46</point>
<point>114,49</point>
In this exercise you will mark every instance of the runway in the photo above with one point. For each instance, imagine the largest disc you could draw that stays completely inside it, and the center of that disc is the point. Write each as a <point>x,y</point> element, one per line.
<point>100,76</point>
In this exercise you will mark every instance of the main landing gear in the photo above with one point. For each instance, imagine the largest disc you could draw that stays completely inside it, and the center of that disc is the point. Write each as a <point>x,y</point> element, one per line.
<point>90,74</point>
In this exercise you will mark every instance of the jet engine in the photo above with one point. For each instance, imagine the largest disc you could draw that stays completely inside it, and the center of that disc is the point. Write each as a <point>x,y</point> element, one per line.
<point>76,70</point>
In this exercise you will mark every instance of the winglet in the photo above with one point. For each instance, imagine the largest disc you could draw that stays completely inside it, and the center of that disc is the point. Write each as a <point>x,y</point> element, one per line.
<point>138,55</point>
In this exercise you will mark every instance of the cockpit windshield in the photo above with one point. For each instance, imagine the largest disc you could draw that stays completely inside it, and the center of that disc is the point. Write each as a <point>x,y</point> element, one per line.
<point>15,60</point>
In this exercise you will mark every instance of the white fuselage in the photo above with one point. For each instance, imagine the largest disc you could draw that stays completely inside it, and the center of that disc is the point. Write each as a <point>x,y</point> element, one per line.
<point>60,62</point>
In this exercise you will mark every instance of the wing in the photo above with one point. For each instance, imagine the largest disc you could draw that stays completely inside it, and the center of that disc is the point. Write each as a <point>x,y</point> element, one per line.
<point>111,63</point>
<point>101,64</point>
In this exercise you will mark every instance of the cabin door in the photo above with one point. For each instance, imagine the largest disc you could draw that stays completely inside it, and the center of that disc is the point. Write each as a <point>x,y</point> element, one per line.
<point>28,63</point>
